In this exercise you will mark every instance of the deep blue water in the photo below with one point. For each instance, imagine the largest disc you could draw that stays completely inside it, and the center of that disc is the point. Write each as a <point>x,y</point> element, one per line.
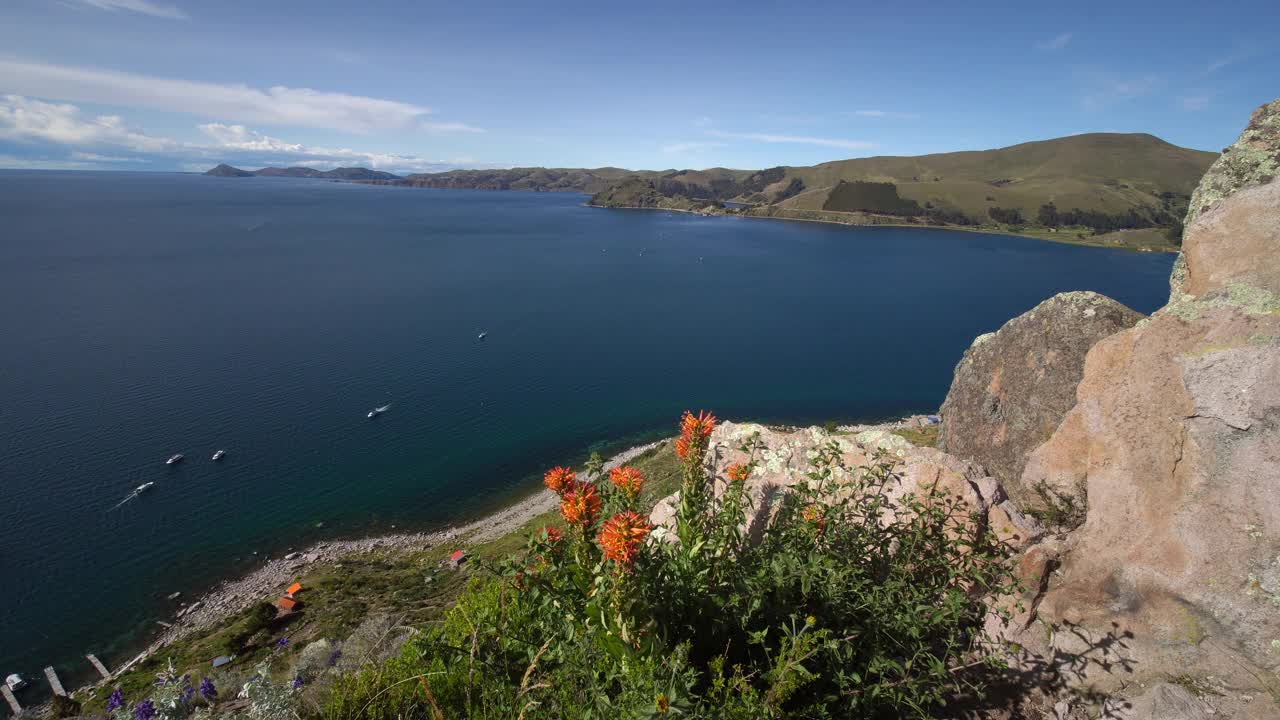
<point>148,314</point>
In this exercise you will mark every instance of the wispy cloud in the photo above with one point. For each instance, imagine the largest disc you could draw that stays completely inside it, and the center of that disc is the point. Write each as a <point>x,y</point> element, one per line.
<point>82,141</point>
<point>703,121</point>
<point>683,148</point>
<point>1057,42</point>
<point>278,105</point>
<point>96,158</point>
<point>795,139</point>
<point>1100,89</point>
<point>1198,101</point>
<point>449,127</point>
<point>883,114</point>
<point>142,7</point>
<point>1225,61</point>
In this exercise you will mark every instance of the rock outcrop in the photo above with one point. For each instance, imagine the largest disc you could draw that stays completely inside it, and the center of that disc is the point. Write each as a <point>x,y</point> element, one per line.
<point>1253,159</point>
<point>1174,441</point>
<point>783,460</point>
<point>1013,387</point>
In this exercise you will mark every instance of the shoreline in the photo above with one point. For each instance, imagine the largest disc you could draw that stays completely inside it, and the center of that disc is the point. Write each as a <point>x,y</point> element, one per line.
<point>956,228</point>
<point>232,595</point>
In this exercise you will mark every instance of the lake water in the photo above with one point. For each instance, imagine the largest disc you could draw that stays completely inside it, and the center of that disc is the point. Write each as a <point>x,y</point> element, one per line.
<point>148,314</point>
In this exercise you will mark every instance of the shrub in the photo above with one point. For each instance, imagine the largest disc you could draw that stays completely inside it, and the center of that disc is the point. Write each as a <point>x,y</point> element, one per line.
<point>858,603</point>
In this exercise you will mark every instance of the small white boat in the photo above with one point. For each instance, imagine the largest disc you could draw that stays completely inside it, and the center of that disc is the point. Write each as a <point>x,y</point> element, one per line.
<point>378,411</point>
<point>218,455</point>
<point>482,336</point>
<point>175,459</point>
<point>144,487</point>
<point>15,682</point>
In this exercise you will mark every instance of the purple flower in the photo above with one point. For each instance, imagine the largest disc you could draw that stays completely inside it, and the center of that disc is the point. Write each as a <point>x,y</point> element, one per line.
<point>116,701</point>
<point>146,710</point>
<point>281,643</point>
<point>296,684</point>
<point>207,690</point>
<point>333,657</point>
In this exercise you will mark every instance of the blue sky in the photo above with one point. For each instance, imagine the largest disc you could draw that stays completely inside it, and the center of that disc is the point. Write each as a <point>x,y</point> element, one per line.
<point>421,86</point>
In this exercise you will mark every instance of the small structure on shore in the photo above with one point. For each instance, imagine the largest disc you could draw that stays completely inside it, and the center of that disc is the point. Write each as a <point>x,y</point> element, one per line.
<point>455,560</point>
<point>222,660</point>
<point>288,606</point>
<point>293,590</point>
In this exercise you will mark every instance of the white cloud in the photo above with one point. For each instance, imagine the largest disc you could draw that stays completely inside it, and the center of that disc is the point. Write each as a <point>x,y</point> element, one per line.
<point>241,139</point>
<point>95,157</point>
<point>28,121</point>
<point>681,148</point>
<point>449,127</point>
<point>1057,42</point>
<point>278,105</point>
<point>884,114</point>
<point>797,139</point>
<point>144,7</point>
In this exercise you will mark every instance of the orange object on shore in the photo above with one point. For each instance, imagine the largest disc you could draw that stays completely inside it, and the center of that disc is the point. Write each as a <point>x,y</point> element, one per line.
<point>293,589</point>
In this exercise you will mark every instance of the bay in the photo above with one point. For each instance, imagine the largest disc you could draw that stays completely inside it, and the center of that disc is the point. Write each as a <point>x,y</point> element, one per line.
<point>146,314</point>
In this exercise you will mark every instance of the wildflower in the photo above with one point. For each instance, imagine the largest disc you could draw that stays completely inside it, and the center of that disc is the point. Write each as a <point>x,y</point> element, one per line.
<point>559,480</point>
<point>116,701</point>
<point>694,431</point>
<point>662,704</point>
<point>581,506</point>
<point>552,535</point>
<point>280,644</point>
<point>207,690</point>
<point>738,472</point>
<point>334,657</point>
<point>297,683</point>
<point>146,710</point>
<point>621,535</point>
<point>627,479</point>
<point>811,621</point>
<point>813,514</point>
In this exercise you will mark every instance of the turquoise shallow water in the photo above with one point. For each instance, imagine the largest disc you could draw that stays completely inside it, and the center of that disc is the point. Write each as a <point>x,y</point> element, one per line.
<point>148,314</point>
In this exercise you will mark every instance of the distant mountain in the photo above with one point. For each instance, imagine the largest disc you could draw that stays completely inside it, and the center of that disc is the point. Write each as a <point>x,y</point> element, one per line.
<point>225,170</point>
<point>536,179</point>
<point>351,173</point>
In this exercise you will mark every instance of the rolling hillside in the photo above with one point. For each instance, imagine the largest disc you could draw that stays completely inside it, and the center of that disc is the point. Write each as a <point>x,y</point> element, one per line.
<point>1108,172</point>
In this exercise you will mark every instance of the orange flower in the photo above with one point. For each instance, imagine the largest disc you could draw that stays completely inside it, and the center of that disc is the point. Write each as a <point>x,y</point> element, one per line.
<point>627,479</point>
<point>738,472</point>
<point>694,431</point>
<point>581,505</point>
<point>552,535</point>
<point>621,535</point>
<point>558,480</point>
<point>813,514</point>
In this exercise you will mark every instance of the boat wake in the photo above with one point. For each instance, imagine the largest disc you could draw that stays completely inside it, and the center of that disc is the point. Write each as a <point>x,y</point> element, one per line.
<point>137,491</point>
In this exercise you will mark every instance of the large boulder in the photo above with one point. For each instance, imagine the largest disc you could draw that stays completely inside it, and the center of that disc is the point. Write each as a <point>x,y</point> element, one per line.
<point>1253,159</point>
<point>1174,448</point>
<point>1235,242</point>
<point>1013,387</point>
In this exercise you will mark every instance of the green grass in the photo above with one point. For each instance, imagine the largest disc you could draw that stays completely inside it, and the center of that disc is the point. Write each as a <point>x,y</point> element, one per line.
<point>922,437</point>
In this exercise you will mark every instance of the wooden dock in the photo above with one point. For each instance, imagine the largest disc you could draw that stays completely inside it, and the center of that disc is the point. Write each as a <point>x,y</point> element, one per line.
<point>54,682</point>
<point>9,698</point>
<point>97,664</point>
